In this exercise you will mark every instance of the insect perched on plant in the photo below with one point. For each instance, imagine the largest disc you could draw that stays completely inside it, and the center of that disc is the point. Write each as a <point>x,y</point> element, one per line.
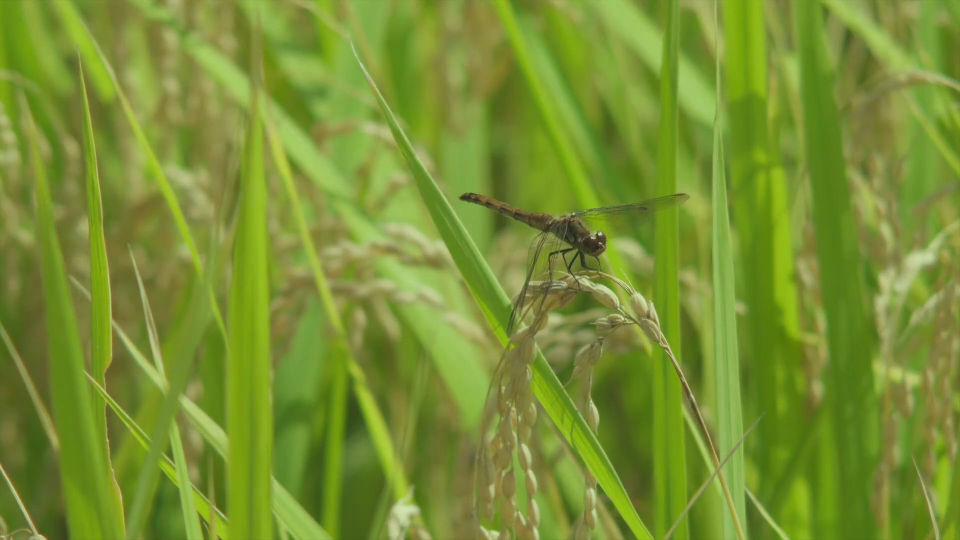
<point>569,233</point>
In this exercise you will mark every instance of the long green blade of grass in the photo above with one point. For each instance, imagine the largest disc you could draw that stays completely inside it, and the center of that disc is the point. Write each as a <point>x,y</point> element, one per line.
<point>184,349</point>
<point>249,414</point>
<point>626,21</point>
<point>376,424</point>
<point>853,412</point>
<point>101,313</point>
<point>90,499</point>
<point>495,305</point>
<point>96,66</point>
<point>169,468</point>
<point>156,170</point>
<point>669,458</point>
<point>760,196</point>
<point>288,512</point>
<point>558,137</point>
<point>457,362</point>
<point>726,350</point>
<point>187,503</point>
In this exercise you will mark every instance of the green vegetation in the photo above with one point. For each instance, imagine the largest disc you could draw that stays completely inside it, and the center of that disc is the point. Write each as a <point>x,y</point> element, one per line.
<point>238,221</point>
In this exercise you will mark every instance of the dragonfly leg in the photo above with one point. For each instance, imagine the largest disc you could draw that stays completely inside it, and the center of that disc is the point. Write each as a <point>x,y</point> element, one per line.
<point>563,254</point>
<point>583,262</point>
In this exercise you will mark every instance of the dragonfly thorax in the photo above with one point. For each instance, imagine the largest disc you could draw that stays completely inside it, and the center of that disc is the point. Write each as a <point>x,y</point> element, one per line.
<point>594,245</point>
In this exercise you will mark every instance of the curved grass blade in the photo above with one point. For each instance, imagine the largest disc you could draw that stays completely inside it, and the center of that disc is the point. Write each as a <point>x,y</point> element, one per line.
<point>156,170</point>
<point>586,196</point>
<point>285,507</point>
<point>628,23</point>
<point>493,300</point>
<point>187,505</point>
<point>96,64</point>
<point>90,499</point>
<point>101,336</point>
<point>457,362</point>
<point>376,424</point>
<point>169,468</point>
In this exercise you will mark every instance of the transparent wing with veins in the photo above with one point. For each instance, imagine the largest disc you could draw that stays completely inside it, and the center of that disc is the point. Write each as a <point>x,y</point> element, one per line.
<point>549,253</point>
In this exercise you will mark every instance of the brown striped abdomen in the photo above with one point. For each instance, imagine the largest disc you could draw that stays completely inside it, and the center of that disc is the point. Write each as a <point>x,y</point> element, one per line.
<point>537,220</point>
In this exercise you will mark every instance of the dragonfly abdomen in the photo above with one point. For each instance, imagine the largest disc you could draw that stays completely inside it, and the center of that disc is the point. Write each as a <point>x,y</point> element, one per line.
<point>537,220</point>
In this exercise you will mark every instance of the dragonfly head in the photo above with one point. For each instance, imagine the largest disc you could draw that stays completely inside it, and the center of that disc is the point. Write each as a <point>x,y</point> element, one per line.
<point>595,244</point>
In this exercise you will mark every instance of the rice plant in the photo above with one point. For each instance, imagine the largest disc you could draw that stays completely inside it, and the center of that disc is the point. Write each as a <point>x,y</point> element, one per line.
<point>239,296</point>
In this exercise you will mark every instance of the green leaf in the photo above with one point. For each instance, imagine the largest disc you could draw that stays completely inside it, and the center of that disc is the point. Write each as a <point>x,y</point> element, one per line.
<point>759,190</point>
<point>670,472</point>
<point>853,410</point>
<point>290,515</point>
<point>376,424</point>
<point>168,467</point>
<point>456,361</point>
<point>249,412</point>
<point>187,503</point>
<point>96,65</point>
<point>90,499</point>
<point>101,313</point>
<point>156,170</point>
<point>626,21</point>
<point>726,351</point>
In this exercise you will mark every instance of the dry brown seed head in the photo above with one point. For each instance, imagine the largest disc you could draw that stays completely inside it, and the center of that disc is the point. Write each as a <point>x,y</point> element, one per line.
<point>653,315</point>
<point>516,367</point>
<point>530,414</point>
<point>503,402</point>
<point>488,473</point>
<point>603,326</point>
<point>503,458</point>
<point>589,498</point>
<point>524,380</point>
<point>590,518</point>
<point>524,456</point>
<point>593,415</point>
<point>640,306</point>
<point>520,335</point>
<point>508,509</point>
<point>495,445</point>
<point>605,296</point>
<point>488,493</point>
<point>509,485</point>
<point>652,330</point>
<point>511,391</point>
<point>524,431</point>
<point>531,480</point>
<point>524,398</point>
<point>540,320</point>
<point>519,523</point>
<point>533,511</point>
<point>487,514</point>
<point>507,436</point>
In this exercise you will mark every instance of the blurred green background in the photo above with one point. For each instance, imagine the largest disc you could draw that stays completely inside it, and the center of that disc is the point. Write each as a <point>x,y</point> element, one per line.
<point>841,139</point>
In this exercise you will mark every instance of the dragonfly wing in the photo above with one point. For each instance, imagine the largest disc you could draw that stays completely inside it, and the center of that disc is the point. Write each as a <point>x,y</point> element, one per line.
<point>631,215</point>
<point>540,265</point>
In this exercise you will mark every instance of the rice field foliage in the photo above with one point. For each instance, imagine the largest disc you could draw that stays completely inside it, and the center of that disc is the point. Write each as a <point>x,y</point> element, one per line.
<point>239,296</point>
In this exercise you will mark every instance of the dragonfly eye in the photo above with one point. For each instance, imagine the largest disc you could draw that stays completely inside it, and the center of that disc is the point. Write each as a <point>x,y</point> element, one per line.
<point>595,244</point>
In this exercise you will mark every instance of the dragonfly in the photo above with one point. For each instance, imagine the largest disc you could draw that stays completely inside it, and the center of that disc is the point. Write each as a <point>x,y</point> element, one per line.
<point>569,233</point>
